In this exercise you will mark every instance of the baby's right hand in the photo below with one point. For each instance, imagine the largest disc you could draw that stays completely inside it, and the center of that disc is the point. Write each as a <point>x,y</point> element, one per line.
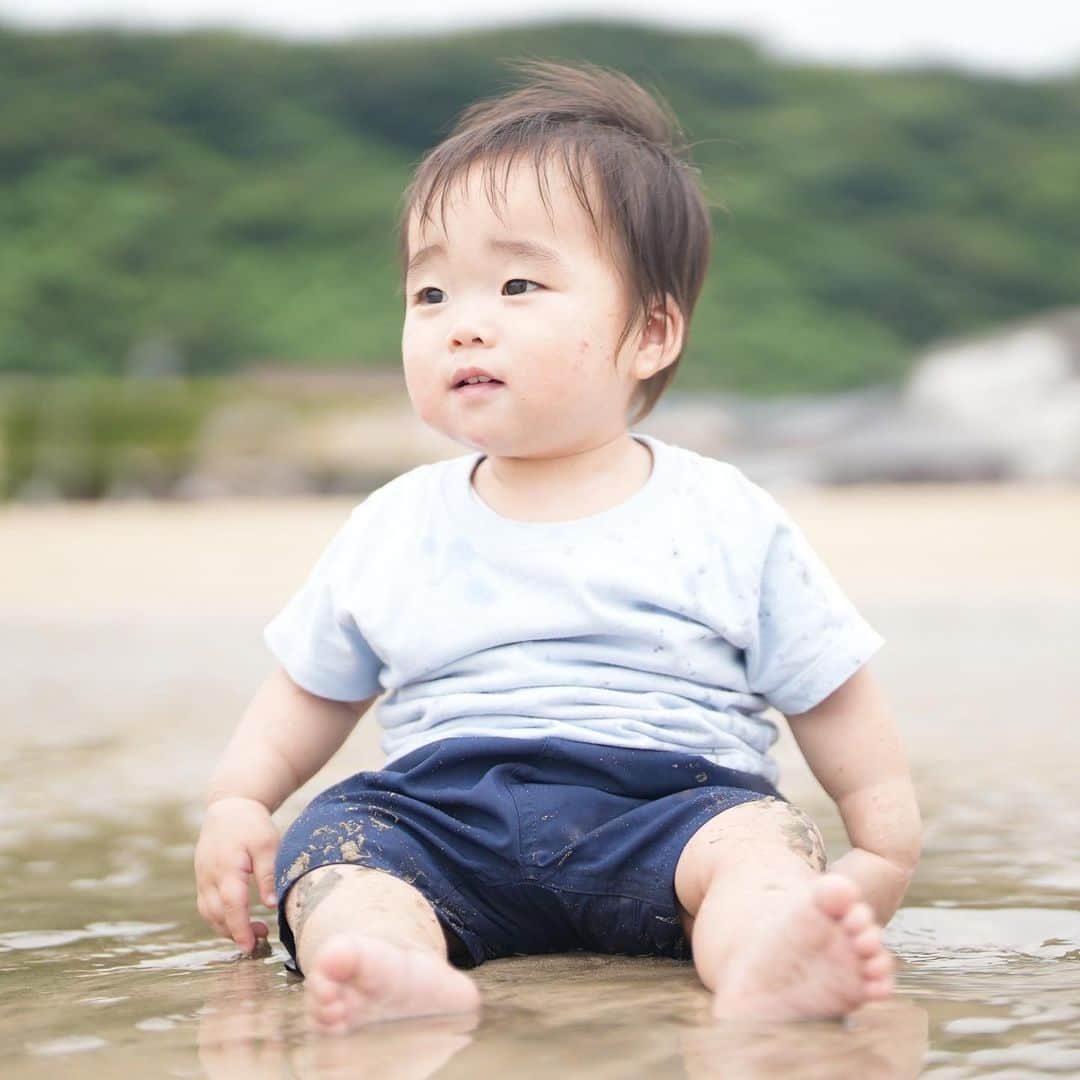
<point>238,840</point>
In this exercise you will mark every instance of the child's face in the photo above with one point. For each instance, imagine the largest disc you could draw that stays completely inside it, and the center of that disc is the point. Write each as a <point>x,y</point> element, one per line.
<point>546,327</point>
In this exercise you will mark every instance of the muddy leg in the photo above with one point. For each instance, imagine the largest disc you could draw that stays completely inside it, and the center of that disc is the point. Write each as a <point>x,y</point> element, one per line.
<point>772,935</point>
<point>371,948</point>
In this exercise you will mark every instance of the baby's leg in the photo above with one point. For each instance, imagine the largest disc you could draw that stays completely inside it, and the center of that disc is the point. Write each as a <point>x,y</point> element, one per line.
<point>371,948</point>
<point>773,936</point>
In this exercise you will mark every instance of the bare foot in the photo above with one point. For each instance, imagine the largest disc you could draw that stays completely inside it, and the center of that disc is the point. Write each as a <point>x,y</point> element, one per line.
<point>822,959</point>
<point>357,980</point>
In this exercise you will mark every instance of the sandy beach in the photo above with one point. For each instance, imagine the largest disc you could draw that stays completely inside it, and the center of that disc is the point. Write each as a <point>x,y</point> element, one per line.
<point>243,556</point>
<point>159,606</point>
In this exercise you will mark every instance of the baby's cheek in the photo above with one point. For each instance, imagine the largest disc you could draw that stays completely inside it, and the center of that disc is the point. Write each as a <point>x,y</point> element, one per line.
<point>581,358</point>
<point>420,392</point>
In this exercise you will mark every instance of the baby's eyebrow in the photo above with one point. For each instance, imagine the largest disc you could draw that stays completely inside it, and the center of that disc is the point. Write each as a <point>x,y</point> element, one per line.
<point>526,249</point>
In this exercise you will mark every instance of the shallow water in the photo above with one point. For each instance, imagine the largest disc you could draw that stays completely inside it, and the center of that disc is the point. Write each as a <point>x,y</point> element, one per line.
<point>112,724</point>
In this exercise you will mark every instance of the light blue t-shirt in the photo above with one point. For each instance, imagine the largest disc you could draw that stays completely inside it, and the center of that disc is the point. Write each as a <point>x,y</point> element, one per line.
<point>671,621</point>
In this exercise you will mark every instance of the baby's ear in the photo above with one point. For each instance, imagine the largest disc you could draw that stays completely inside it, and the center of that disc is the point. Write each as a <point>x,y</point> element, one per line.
<point>661,338</point>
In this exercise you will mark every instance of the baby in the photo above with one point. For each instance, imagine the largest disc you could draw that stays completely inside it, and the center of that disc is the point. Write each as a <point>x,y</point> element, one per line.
<point>578,631</point>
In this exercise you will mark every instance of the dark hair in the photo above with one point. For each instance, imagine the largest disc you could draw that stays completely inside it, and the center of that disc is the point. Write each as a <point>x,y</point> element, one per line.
<point>602,122</point>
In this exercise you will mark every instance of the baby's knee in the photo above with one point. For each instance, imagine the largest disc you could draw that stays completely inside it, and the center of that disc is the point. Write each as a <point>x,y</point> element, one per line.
<point>774,823</point>
<point>800,834</point>
<point>317,885</point>
<point>761,832</point>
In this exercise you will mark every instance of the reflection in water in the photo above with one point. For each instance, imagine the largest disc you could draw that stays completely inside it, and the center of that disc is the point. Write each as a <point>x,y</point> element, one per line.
<point>884,1041</point>
<point>245,1030</point>
<point>118,978</point>
<point>137,995</point>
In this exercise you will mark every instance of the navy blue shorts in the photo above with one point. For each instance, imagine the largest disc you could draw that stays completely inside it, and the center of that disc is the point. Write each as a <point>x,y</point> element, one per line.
<point>524,845</point>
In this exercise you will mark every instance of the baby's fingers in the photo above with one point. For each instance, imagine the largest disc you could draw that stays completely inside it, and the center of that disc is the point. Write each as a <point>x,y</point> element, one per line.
<point>234,903</point>
<point>210,909</point>
<point>263,858</point>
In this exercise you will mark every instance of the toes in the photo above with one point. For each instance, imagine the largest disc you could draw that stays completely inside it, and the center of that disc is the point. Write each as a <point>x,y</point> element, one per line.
<point>323,1026</point>
<point>878,967</point>
<point>835,894</point>
<point>858,918</point>
<point>385,983</point>
<point>334,1013</point>
<point>338,960</point>
<point>868,942</point>
<point>878,989</point>
<point>326,1016</point>
<point>321,988</point>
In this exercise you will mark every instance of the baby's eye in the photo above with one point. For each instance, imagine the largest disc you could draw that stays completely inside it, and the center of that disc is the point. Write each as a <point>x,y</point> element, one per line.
<point>420,293</point>
<point>520,281</point>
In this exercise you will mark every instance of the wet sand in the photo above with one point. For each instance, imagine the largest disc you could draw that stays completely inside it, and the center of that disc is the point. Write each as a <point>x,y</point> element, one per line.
<point>131,637</point>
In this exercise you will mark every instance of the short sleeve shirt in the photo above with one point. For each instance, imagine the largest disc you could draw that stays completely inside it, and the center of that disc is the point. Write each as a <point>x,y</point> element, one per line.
<point>672,621</point>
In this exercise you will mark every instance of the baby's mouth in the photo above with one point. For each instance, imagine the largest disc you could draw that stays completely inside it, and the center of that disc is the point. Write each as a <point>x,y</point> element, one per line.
<point>478,387</point>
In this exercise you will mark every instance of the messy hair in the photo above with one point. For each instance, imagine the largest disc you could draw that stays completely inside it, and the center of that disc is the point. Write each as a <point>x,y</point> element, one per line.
<point>652,213</point>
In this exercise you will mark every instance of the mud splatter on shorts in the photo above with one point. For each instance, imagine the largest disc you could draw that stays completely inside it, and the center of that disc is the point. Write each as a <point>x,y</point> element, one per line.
<point>524,845</point>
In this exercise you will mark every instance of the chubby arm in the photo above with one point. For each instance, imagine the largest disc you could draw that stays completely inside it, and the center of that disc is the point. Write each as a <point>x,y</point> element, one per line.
<point>284,737</point>
<point>852,746</point>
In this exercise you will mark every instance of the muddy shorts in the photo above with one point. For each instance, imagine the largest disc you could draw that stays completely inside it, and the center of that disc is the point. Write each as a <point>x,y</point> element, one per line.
<point>524,845</point>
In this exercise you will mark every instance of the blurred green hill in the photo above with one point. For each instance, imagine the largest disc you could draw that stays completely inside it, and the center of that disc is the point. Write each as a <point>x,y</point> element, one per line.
<point>221,200</point>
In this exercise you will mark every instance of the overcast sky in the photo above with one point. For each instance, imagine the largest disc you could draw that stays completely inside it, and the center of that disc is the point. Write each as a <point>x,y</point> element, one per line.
<point>1029,39</point>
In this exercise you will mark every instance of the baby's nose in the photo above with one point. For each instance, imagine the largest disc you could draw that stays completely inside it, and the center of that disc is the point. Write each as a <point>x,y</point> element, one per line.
<point>474,336</point>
